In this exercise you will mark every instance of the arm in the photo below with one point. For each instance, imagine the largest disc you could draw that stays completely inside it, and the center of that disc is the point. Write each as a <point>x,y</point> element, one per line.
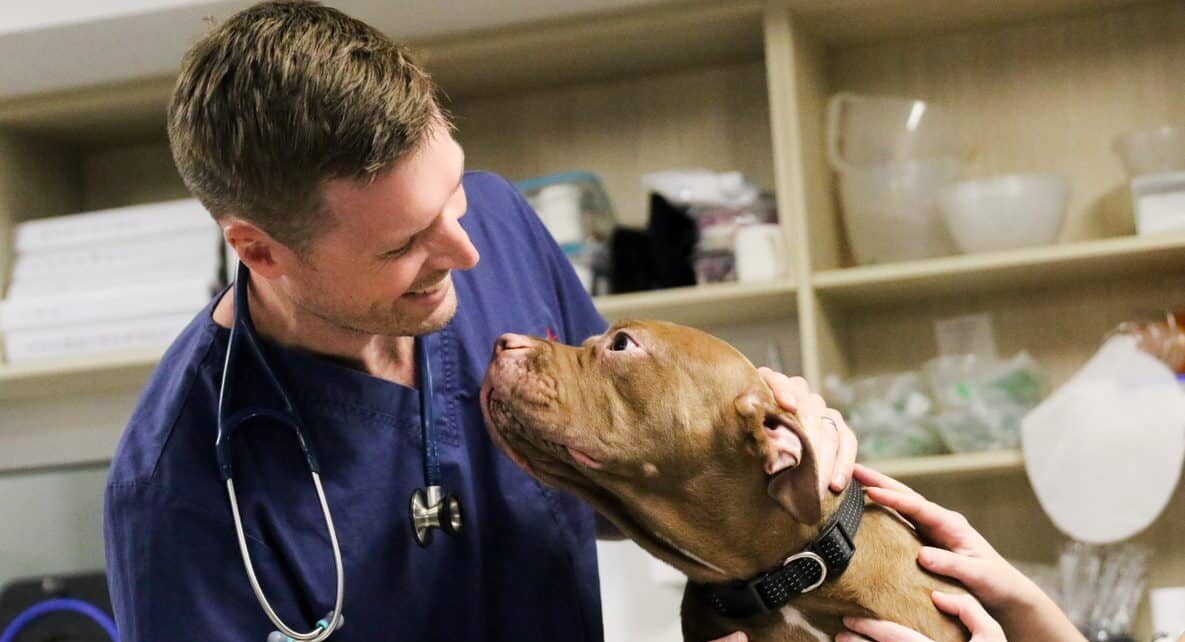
<point>175,572</point>
<point>1024,610</point>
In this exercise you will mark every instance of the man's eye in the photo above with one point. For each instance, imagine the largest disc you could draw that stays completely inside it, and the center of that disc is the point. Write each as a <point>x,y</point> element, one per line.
<point>621,341</point>
<point>393,254</point>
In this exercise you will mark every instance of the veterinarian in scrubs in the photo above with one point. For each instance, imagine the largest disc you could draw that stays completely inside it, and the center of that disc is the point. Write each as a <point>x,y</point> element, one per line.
<point>319,146</point>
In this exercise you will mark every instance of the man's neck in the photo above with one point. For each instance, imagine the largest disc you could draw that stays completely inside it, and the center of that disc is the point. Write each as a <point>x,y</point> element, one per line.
<point>279,319</point>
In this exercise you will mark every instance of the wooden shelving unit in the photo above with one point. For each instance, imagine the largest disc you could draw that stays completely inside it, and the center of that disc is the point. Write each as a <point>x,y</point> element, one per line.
<point>1043,85</point>
<point>59,380</point>
<point>949,467</point>
<point>968,275</point>
<point>704,305</point>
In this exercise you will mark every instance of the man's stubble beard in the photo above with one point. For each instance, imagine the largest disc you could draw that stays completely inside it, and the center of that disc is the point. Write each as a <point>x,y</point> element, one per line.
<point>389,324</point>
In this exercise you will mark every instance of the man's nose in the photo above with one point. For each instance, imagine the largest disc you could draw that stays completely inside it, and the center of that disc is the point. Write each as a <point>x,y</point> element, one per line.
<point>510,342</point>
<point>452,249</point>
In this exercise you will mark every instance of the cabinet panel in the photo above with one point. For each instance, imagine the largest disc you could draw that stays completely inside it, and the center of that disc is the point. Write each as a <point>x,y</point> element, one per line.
<point>712,117</point>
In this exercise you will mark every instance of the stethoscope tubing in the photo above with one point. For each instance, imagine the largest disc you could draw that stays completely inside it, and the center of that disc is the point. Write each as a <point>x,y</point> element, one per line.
<point>323,631</point>
<point>243,333</point>
<point>242,329</point>
<point>427,414</point>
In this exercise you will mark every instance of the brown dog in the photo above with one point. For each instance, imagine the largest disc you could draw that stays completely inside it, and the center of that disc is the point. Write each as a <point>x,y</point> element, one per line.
<point>671,434</point>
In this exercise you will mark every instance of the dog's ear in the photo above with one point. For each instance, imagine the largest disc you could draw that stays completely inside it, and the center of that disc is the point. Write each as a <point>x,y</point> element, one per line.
<point>789,458</point>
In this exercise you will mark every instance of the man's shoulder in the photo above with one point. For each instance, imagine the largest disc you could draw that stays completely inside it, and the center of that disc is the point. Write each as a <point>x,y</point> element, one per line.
<point>179,394</point>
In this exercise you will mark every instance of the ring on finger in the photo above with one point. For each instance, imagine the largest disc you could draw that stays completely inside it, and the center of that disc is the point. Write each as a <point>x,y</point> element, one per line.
<point>831,421</point>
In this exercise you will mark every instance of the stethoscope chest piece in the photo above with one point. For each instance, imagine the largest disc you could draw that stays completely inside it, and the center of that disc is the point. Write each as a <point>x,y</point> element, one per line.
<point>434,509</point>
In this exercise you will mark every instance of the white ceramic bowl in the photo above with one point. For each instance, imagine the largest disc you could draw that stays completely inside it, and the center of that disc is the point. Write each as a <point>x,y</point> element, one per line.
<point>1155,150</point>
<point>1005,212</point>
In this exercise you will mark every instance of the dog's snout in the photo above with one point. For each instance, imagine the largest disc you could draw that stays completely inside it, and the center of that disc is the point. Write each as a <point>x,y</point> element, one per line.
<point>510,341</point>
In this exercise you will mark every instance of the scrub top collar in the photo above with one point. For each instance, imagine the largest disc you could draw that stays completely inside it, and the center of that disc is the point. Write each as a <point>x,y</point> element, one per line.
<point>321,379</point>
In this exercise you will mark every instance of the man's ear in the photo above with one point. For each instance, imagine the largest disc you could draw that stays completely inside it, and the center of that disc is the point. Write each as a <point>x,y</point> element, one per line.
<point>788,456</point>
<point>263,254</point>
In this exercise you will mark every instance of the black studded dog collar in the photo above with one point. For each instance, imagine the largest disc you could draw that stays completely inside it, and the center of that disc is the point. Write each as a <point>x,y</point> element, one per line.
<point>826,557</point>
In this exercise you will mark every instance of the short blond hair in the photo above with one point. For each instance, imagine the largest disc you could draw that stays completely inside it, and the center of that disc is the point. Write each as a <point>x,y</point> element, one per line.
<point>287,95</point>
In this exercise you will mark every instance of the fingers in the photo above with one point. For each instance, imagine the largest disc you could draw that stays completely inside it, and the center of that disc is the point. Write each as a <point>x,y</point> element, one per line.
<point>876,479</point>
<point>845,457</point>
<point>941,526</point>
<point>971,571</point>
<point>972,614</point>
<point>787,391</point>
<point>794,394</point>
<point>737,636</point>
<point>880,631</point>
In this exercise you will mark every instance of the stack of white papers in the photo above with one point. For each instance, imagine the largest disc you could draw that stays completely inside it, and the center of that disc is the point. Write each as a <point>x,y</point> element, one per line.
<point>109,281</point>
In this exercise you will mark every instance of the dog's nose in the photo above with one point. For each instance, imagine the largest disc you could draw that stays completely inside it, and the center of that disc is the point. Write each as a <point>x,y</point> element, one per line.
<point>511,341</point>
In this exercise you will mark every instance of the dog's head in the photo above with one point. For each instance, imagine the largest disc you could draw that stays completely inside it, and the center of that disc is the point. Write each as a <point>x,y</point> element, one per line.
<point>666,430</point>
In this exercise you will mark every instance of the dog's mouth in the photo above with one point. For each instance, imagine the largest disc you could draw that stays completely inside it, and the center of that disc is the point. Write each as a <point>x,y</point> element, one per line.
<point>528,432</point>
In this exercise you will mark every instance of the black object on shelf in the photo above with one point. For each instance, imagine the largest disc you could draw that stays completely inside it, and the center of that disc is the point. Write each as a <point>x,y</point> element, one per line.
<point>673,236</point>
<point>631,267</point>
<point>661,256</point>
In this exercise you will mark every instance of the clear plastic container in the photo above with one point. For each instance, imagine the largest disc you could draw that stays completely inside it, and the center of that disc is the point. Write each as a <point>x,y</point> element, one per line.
<point>1155,150</point>
<point>576,210</point>
<point>891,210</point>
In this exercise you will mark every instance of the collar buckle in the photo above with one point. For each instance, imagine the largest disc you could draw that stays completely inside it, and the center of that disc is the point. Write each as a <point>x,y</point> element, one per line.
<point>814,557</point>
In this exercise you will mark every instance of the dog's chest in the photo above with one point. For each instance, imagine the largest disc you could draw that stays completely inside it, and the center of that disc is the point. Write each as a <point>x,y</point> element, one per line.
<point>796,620</point>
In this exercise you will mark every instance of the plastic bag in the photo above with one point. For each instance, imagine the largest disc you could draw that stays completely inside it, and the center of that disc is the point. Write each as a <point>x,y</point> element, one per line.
<point>888,413</point>
<point>981,401</point>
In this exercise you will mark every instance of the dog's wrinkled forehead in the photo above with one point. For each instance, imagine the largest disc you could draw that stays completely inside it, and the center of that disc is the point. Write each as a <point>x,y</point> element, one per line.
<point>705,358</point>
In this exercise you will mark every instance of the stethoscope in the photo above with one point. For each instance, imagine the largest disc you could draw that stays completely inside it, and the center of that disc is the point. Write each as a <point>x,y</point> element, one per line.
<point>430,508</point>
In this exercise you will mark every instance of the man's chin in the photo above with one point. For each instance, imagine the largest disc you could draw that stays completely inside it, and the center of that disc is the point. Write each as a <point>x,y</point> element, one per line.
<point>434,321</point>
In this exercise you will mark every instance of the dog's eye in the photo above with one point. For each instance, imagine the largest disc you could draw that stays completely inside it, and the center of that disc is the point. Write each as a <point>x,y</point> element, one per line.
<point>622,341</point>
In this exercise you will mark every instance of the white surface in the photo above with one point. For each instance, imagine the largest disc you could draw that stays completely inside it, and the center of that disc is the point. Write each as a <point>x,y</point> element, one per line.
<point>62,44</point>
<point>1104,452</point>
<point>1005,212</point>
<point>117,224</point>
<point>1168,610</point>
<point>96,339</point>
<point>638,602</point>
<point>54,523</point>
<point>760,253</point>
<point>111,302</point>
<point>1159,202</point>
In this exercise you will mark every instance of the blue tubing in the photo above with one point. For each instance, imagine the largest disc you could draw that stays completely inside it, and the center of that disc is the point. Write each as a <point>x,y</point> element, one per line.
<point>58,605</point>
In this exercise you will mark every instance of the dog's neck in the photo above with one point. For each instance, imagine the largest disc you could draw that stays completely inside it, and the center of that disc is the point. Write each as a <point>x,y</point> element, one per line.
<point>761,542</point>
<point>747,538</point>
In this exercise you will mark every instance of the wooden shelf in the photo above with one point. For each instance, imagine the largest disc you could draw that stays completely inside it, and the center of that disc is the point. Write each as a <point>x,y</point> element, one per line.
<point>60,378</point>
<point>484,62</point>
<point>570,50</point>
<point>854,22</point>
<point>977,464</point>
<point>1031,267</point>
<point>701,305</point>
<point>705,305</point>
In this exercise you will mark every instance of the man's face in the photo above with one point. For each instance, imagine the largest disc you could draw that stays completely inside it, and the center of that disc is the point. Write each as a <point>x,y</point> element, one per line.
<point>383,266</point>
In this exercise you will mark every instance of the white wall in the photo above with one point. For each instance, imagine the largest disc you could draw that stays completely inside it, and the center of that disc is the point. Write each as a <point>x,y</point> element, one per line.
<point>640,595</point>
<point>53,522</point>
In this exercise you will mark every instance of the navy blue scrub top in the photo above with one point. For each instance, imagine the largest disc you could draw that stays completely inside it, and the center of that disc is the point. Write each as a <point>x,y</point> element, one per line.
<point>524,568</point>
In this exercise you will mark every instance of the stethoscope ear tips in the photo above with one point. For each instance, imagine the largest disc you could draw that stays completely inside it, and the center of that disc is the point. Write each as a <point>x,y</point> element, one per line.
<point>434,509</point>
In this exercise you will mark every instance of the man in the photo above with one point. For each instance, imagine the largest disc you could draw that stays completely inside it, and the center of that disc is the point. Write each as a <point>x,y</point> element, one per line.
<point>319,147</point>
